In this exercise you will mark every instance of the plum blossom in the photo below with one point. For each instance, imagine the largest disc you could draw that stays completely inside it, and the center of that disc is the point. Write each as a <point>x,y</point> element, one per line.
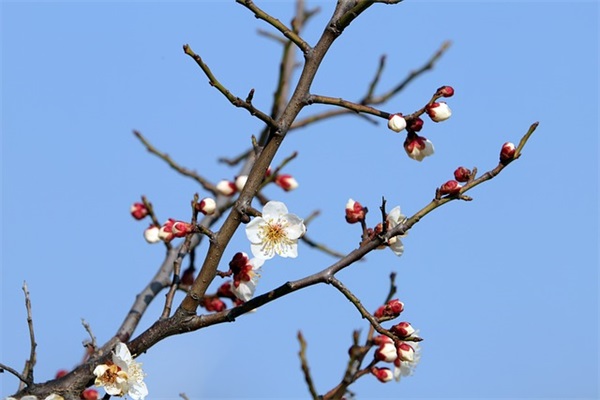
<point>151,234</point>
<point>396,122</point>
<point>245,275</point>
<point>418,147</point>
<point>382,374</point>
<point>407,368</point>
<point>276,232</point>
<point>122,376</point>
<point>395,218</point>
<point>438,112</point>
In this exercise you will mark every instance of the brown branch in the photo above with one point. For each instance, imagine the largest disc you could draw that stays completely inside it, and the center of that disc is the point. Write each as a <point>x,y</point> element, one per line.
<point>305,368</point>
<point>88,329</point>
<point>358,108</point>
<point>30,363</point>
<point>236,101</point>
<point>14,372</point>
<point>183,171</point>
<point>287,32</point>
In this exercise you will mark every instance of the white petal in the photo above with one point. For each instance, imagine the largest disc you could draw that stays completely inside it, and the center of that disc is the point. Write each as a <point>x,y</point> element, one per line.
<point>397,247</point>
<point>138,391</point>
<point>257,263</point>
<point>258,252</point>
<point>252,229</point>
<point>295,228</point>
<point>290,251</point>
<point>122,353</point>
<point>274,209</point>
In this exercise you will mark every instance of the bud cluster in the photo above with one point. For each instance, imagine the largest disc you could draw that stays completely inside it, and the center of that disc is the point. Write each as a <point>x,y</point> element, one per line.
<point>418,147</point>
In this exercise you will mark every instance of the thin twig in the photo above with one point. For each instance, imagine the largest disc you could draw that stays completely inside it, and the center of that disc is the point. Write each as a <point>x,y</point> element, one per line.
<point>183,171</point>
<point>152,215</point>
<point>236,101</point>
<point>287,32</point>
<point>14,372</point>
<point>305,368</point>
<point>88,329</point>
<point>30,363</point>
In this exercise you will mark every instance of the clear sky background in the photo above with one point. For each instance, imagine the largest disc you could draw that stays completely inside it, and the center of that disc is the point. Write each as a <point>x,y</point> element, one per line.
<point>504,289</point>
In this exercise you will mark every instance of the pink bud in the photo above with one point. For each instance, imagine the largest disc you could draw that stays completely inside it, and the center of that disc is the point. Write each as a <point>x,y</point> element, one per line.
<point>90,394</point>
<point>286,182</point>
<point>213,303</point>
<point>381,339</point>
<point>451,187</point>
<point>405,351</point>
<point>165,232</point>
<point>446,91</point>
<point>415,125</point>
<point>403,329</point>
<point>392,308</point>
<point>60,373</point>
<point>438,112</point>
<point>240,182</point>
<point>206,206</point>
<point>151,234</point>
<point>355,212</point>
<point>382,374</point>
<point>508,152</point>
<point>226,188</point>
<point>386,352</point>
<point>180,228</point>
<point>462,174</point>
<point>225,291</point>
<point>138,211</point>
<point>418,147</point>
<point>396,122</point>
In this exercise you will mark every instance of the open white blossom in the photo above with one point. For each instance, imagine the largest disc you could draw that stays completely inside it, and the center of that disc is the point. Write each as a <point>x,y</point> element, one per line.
<point>122,376</point>
<point>395,218</point>
<point>276,232</point>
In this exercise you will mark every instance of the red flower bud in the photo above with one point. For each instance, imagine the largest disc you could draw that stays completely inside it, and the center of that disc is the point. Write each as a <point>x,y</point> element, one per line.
<point>446,91</point>
<point>450,187</point>
<point>286,182</point>
<point>138,211</point>
<point>462,174</point>
<point>508,152</point>
<point>90,394</point>
<point>415,125</point>
<point>403,329</point>
<point>382,374</point>
<point>61,373</point>
<point>355,212</point>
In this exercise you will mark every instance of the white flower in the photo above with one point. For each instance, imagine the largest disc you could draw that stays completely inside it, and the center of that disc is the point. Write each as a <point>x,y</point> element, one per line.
<point>240,182</point>
<point>122,376</point>
<point>54,396</point>
<point>438,112</point>
<point>396,122</point>
<point>395,218</point>
<point>244,283</point>
<point>407,368</point>
<point>276,232</point>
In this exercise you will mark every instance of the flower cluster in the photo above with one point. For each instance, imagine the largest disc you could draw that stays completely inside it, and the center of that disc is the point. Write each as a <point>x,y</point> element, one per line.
<point>122,376</point>
<point>418,147</point>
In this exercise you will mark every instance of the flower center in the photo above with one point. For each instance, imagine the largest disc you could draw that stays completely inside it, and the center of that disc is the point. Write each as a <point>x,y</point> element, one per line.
<point>274,237</point>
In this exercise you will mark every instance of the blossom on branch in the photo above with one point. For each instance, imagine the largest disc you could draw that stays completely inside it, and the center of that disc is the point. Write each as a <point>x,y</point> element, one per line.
<point>240,182</point>
<point>151,234</point>
<point>355,212</point>
<point>417,147</point>
<point>276,232</point>
<point>226,188</point>
<point>405,367</point>
<point>508,152</point>
<point>393,219</point>
<point>382,374</point>
<point>122,376</point>
<point>245,275</point>
<point>206,206</point>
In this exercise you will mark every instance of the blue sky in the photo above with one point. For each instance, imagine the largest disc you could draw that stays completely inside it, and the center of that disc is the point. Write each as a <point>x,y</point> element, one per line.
<point>504,289</point>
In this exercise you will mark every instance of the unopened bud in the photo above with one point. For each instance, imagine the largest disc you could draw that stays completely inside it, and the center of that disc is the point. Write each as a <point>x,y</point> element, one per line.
<point>446,91</point>
<point>180,228</point>
<point>451,187</point>
<point>165,232</point>
<point>403,329</point>
<point>405,351</point>
<point>396,122</point>
<point>386,352</point>
<point>382,374</point>
<point>60,373</point>
<point>90,394</point>
<point>226,188</point>
<point>151,234</point>
<point>240,182</point>
<point>508,152</point>
<point>415,125</point>
<point>286,182</point>
<point>462,174</point>
<point>213,303</point>
<point>418,147</point>
<point>206,206</point>
<point>392,308</point>
<point>355,212</point>
<point>138,211</point>
<point>438,112</point>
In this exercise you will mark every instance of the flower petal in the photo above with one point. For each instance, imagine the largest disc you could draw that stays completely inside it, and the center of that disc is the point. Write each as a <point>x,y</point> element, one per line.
<point>252,229</point>
<point>273,210</point>
<point>290,251</point>
<point>295,228</point>
<point>397,246</point>
<point>259,252</point>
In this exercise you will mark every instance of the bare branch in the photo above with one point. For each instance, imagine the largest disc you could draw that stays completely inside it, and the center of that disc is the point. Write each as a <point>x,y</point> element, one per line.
<point>88,329</point>
<point>30,363</point>
<point>236,101</point>
<point>14,372</point>
<point>184,171</point>
<point>287,32</point>
<point>305,368</point>
<point>358,108</point>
